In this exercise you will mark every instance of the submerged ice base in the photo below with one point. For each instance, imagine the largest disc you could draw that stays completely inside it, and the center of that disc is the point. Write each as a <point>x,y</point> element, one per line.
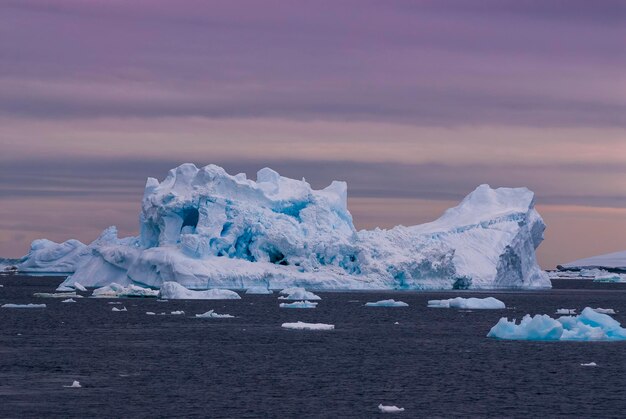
<point>203,228</point>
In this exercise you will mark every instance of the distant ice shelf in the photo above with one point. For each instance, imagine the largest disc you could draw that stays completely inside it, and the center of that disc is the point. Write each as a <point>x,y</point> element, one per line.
<point>203,228</point>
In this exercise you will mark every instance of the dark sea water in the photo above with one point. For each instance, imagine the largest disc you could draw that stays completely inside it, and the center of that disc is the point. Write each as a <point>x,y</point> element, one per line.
<point>435,363</point>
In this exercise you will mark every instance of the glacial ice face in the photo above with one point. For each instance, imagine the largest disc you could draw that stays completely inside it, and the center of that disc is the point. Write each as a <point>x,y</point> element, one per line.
<point>204,228</point>
<point>589,325</point>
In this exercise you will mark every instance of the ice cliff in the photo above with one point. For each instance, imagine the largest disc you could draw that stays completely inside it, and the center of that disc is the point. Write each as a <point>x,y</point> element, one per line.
<point>204,228</point>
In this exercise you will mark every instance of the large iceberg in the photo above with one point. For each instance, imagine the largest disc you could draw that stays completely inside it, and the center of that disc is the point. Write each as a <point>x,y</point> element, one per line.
<point>615,262</point>
<point>204,228</point>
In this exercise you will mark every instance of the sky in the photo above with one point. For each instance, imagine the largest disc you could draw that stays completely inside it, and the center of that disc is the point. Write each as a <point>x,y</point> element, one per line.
<point>413,103</point>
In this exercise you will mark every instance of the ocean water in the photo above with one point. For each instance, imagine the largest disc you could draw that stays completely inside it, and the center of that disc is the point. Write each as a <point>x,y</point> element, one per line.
<point>434,363</point>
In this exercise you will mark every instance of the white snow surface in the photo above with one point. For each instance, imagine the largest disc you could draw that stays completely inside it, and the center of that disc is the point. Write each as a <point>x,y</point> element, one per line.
<point>298,294</point>
<point>616,260</point>
<point>308,326</point>
<point>488,303</point>
<point>387,303</point>
<point>30,305</point>
<point>390,409</point>
<point>116,290</point>
<point>590,364</point>
<point>174,291</point>
<point>204,228</point>
<point>211,314</point>
<point>589,325</point>
<point>298,304</point>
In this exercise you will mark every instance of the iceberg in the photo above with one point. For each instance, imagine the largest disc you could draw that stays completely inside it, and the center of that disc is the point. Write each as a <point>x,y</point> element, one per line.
<point>119,309</point>
<point>589,325</point>
<point>259,290</point>
<point>566,311</point>
<point>604,310</point>
<point>610,261</point>
<point>488,303</point>
<point>69,300</point>
<point>308,326</point>
<point>177,313</point>
<point>298,294</point>
<point>56,295</point>
<point>211,314</point>
<point>390,409</point>
<point>298,304</point>
<point>116,290</point>
<point>174,291</point>
<point>75,384</point>
<point>387,303</point>
<point>203,228</point>
<point>590,364</point>
<point>23,306</point>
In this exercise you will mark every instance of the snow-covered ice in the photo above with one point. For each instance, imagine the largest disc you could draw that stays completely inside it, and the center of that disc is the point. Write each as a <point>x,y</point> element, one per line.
<point>308,326</point>
<point>75,384</point>
<point>390,409</point>
<point>604,310</point>
<point>30,305</point>
<point>566,311</point>
<point>204,228</point>
<point>259,290</point>
<point>175,291</point>
<point>488,303</point>
<point>211,314</point>
<point>298,304</point>
<point>387,303</point>
<point>587,326</point>
<point>115,290</point>
<point>69,300</point>
<point>590,364</point>
<point>177,313</point>
<point>298,294</point>
<point>119,309</point>
<point>56,295</point>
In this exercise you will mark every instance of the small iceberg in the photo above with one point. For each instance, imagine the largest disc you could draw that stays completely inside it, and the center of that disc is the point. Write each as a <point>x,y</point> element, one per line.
<point>150,313</point>
<point>23,306</point>
<point>259,290</point>
<point>119,309</point>
<point>566,311</point>
<point>590,364</point>
<point>604,310</point>
<point>64,288</point>
<point>589,325</point>
<point>69,300</point>
<point>308,326</point>
<point>56,295</point>
<point>174,291</point>
<point>390,409</point>
<point>116,290</point>
<point>387,303</point>
<point>298,293</point>
<point>75,384</point>
<point>211,314</point>
<point>177,313</point>
<point>298,304</point>
<point>488,303</point>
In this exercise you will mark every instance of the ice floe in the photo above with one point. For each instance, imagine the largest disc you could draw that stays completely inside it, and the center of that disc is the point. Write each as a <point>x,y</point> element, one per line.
<point>75,384</point>
<point>566,311</point>
<point>175,291</point>
<point>590,364</point>
<point>298,293</point>
<point>69,300</point>
<point>119,309</point>
<point>211,314</point>
<point>604,310</point>
<point>488,303</point>
<point>587,326</point>
<point>298,304</point>
<point>116,290</point>
<point>23,305</point>
<point>387,303</point>
<point>150,313</point>
<point>308,326</point>
<point>57,295</point>
<point>390,409</point>
<point>177,313</point>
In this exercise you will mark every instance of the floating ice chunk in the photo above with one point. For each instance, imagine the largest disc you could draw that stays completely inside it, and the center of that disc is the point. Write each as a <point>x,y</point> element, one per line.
<point>56,295</point>
<point>115,302</point>
<point>175,291</point>
<point>397,323</point>
<point>79,287</point>
<point>75,384</point>
<point>488,303</point>
<point>69,300</point>
<point>119,309</point>
<point>177,313</point>
<point>590,364</point>
<point>150,313</point>
<point>387,303</point>
<point>604,310</point>
<point>566,311</point>
<point>211,314</point>
<point>298,304</point>
<point>587,326</point>
<point>308,326</point>
<point>298,294</point>
<point>23,306</point>
<point>116,290</point>
<point>390,409</point>
<point>259,290</point>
